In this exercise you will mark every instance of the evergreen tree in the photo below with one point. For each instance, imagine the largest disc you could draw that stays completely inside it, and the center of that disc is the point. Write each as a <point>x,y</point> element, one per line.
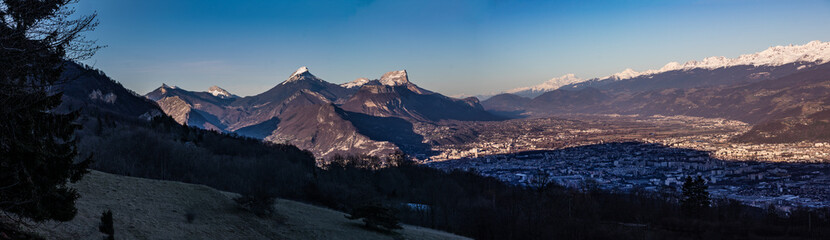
<point>37,145</point>
<point>695,197</point>
<point>106,226</point>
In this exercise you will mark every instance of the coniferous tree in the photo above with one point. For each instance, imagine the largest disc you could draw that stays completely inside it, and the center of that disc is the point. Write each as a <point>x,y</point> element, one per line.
<point>37,145</point>
<point>695,197</point>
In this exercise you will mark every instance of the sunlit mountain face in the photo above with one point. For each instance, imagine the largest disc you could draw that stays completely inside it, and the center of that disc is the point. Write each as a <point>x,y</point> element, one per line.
<point>323,117</point>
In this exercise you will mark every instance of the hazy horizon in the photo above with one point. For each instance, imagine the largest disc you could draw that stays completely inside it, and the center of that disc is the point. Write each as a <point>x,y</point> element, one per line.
<point>466,47</point>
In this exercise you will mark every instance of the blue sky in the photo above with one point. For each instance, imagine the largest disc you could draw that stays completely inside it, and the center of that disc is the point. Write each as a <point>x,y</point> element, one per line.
<point>450,46</point>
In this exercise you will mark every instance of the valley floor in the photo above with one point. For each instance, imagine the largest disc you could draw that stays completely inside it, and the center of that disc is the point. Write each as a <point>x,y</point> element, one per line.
<point>153,209</point>
<point>458,140</point>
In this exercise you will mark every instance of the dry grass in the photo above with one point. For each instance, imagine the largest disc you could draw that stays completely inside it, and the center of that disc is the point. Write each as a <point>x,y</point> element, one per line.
<point>152,209</point>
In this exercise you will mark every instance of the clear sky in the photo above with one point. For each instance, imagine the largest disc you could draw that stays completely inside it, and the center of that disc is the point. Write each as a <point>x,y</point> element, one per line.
<point>450,46</point>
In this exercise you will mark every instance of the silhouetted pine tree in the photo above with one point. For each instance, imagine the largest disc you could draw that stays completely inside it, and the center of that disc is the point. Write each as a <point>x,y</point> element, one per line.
<point>37,145</point>
<point>695,197</point>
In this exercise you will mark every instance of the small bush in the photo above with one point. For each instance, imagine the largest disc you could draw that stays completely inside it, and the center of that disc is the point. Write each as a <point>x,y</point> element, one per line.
<point>376,217</point>
<point>190,215</point>
<point>106,225</point>
<point>259,205</point>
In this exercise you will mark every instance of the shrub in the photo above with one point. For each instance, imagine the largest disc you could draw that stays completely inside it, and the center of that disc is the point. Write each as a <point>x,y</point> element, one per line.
<point>259,205</point>
<point>190,215</point>
<point>106,225</point>
<point>376,217</point>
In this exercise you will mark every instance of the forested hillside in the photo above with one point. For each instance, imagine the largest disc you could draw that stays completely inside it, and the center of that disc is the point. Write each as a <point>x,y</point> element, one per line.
<point>463,203</point>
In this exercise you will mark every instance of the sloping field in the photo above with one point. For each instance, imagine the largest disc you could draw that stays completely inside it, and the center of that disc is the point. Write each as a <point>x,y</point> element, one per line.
<point>153,209</point>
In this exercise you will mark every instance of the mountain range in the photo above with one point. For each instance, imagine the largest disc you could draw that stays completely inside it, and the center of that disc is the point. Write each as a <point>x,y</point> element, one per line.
<point>810,54</point>
<point>322,117</point>
<point>782,91</point>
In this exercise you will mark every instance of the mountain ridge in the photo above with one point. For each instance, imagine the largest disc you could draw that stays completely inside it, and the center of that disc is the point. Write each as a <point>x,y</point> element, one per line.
<point>810,54</point>
<point>320,116</point>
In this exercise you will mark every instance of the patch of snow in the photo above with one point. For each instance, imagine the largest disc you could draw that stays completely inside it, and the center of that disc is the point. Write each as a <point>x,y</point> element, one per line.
<point>300,70</point>
<point>356,83</point>
<point>301,73</point>
<point>671,67</point>
<point>98,95</point>
<point>550,85</point>
<point>813,52</point>
<point>219,92</point>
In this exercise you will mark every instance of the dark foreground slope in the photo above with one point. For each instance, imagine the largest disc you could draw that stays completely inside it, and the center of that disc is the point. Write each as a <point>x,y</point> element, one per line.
<point>153,209</point>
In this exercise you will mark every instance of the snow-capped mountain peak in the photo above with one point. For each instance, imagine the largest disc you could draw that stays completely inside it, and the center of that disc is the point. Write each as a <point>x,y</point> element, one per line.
<point>395,78</point>
<point>814,52</point>
<point>671,66</point>
<point>219,92</point>
<point>626,74</point>
<point>301,74</point>
<point>398,78</point>
<point>356,83</point>
<point>550,85</point>
<point>392,79</point>
<point>817,52</point>
<point>300,70</point>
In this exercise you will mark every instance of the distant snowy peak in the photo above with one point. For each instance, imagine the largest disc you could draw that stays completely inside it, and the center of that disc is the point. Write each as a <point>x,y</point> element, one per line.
<point>626,74</point>
<point>395,78</point>
<point>356,83</point>
<point>219,92</point>
<point>813,52</point>
<point>165,86</point>
<point>302,73</point>
<point>392,79</point>
<point>300,70</point>
<point>550,85</point>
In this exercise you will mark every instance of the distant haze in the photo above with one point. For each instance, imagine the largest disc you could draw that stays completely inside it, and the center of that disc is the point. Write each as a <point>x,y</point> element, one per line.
<point>453,47</point>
